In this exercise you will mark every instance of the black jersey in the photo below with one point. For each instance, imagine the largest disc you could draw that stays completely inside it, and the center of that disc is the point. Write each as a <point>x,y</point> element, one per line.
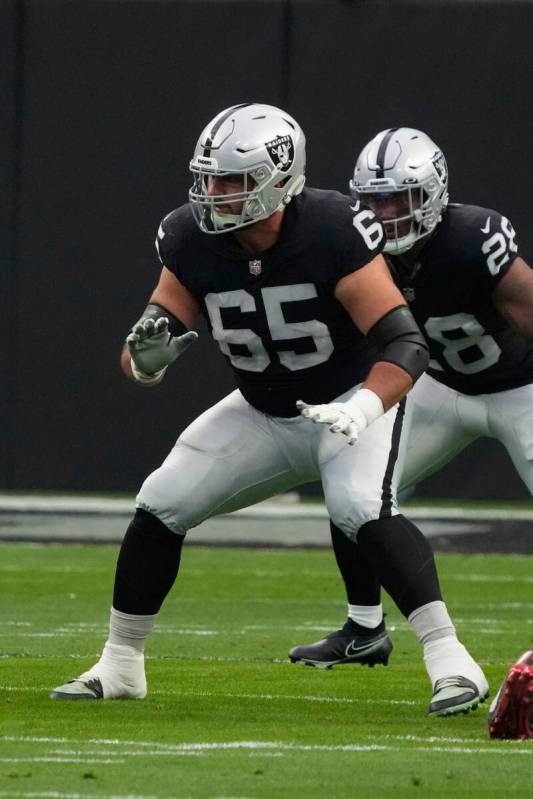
<point>275,317</point>
<point>473,349</point>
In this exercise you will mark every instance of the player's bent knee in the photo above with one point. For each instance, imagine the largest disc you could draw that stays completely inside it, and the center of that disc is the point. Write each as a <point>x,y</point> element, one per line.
<point>157,499</point>
<point>350,514</point>
<point>149,526</point>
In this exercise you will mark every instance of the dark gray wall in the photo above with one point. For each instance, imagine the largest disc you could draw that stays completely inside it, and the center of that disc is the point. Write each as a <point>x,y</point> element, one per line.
<point>11,84</point>
<point>105,99</point>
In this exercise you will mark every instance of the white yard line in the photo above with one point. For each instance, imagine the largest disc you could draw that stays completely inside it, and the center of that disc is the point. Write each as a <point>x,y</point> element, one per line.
<point>61,795</point>
<point>165,629</point>
<point>255,697</point>
<point>295,697</point>
<point>61,632</point>
<point>91,762</point>
<point>122,753</point>
<point>269,746</point>
<point>488,578</point>
<point>12,567</point>
<point>152,748</point>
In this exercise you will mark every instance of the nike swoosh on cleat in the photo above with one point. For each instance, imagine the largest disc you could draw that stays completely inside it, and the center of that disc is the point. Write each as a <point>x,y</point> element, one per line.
<point>351,649</point>
<point>486,229</point>
<point>94,686</point>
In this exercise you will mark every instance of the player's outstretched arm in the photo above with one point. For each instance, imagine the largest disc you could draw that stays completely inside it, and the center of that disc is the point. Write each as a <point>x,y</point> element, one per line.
<point>161,334</point>
<point>513,297</point>
<point>378,309</point>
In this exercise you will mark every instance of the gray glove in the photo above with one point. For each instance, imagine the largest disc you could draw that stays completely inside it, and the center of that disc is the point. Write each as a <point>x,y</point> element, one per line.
<point>152,349</point>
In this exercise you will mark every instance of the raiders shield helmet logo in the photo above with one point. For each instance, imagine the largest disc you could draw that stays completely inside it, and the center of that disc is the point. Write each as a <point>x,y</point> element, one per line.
<point>281,151</point>
<point>439,162</point>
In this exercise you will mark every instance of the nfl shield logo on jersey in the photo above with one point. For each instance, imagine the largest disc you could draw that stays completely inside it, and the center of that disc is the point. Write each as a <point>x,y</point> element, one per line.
<point>409,293</point>
<point>255,267</point>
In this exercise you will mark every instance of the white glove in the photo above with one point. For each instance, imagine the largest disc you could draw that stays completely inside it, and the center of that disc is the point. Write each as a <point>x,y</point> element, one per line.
<point>349,418</point>
<point>152,349</point>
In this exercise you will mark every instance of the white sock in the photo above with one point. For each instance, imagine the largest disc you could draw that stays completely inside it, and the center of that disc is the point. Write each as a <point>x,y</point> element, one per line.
<point>444,655</point>
<point>447,657</point>
<point>129,629</point>
<point>431,622</point>
<point>366,615</point>
<point>120,670</point>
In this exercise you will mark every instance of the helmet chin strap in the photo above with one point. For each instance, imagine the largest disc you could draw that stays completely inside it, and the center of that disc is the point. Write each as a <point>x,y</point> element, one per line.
<point>222,221</point>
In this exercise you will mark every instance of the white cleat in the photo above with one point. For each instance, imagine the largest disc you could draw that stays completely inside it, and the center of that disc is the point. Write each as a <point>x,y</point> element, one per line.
<point>452,695</point>
<point>119,674</point>
<point>459,684</point>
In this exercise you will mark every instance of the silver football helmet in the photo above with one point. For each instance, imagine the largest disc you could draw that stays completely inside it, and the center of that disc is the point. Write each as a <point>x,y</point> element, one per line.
<point>402,175</point>
<point>262,144</point>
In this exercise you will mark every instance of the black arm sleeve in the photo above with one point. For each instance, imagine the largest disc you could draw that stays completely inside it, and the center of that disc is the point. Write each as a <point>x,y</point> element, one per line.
<point>400,341</point>
<point>155,311</point>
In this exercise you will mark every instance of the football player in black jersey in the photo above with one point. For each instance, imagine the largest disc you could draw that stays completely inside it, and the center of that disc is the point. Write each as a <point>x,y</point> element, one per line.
<point>289,280</point>
<point>459,268</point>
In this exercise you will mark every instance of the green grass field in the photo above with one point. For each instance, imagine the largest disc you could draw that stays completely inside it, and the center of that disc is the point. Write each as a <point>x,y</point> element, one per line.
<point>227,717</point>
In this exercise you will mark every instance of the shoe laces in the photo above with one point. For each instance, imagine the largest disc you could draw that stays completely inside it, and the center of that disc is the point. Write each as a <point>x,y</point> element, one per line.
<point>453,682</point>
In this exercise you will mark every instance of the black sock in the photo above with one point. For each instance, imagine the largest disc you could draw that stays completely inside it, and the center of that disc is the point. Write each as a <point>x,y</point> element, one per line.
<point>147,565</point>
<point>403,561</point>
<point>362,586</point>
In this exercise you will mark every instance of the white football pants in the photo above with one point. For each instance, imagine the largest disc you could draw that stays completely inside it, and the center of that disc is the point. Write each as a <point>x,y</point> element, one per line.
<point>233,456</point>
<point>440,422</point>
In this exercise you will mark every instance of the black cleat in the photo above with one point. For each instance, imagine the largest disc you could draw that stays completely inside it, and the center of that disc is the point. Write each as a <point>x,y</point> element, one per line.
<point>453,695</point>
<point>346,645</point>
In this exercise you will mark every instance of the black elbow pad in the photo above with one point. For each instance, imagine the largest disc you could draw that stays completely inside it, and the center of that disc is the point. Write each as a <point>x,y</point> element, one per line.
<point>400,341</point>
